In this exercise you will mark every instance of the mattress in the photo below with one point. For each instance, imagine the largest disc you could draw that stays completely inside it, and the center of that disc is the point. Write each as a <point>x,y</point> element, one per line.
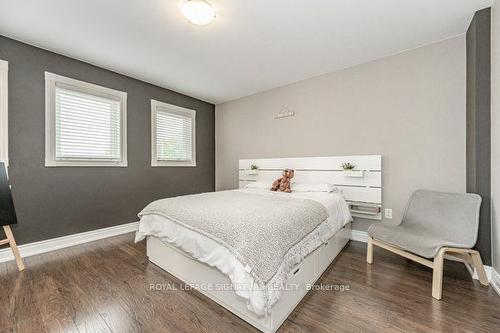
<point>206,250</point>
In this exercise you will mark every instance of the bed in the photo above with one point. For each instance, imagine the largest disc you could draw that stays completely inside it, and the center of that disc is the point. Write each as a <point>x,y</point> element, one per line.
<point>253,251</point>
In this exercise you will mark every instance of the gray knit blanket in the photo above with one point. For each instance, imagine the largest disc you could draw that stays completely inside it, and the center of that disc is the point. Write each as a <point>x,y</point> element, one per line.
<point>261,230</point>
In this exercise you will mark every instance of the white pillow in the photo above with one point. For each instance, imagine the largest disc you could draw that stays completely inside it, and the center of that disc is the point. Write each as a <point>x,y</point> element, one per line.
<point>314,187</point>
<point>259,185</point>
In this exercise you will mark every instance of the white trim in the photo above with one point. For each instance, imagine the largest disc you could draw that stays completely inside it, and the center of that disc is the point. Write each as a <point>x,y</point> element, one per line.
<point>53,244</point>
<point>4,112</point>
<point>50,84</point>
<point>359,236</point>
<point>107,92</point>
<point>495,280</point>
<point>178,110</point>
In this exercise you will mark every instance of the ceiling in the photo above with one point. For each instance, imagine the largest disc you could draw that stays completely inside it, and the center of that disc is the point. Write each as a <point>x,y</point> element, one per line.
<point>252,46</point>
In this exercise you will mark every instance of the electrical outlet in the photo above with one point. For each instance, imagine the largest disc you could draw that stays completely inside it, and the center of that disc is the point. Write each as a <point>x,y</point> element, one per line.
<point>388,213</point>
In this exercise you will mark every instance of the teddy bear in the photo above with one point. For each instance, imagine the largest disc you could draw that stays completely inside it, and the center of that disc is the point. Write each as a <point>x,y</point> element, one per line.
<point>283,183</point>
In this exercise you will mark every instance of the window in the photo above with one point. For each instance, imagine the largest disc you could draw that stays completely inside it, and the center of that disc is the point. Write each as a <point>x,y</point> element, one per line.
<point>172,135</point>
<point>85,124</point>
<point>4,118</point>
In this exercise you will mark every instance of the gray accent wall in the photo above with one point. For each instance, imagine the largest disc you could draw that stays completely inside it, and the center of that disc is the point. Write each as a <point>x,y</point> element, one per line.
<point>479,123</point>
<point>52,202</point>
<point>410,108</point>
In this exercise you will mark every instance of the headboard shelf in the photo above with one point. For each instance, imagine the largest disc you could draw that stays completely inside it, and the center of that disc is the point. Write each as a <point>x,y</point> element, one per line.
<point>364,194</point>
<point>365,210</point>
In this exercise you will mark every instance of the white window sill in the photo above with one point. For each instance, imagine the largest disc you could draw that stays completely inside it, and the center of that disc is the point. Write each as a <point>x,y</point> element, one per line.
<point>119,164</point>
<point>173,164</point>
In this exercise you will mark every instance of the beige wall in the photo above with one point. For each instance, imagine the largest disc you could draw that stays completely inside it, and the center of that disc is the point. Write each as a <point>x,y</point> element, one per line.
<point>495,136</point>
<point>409,107</point>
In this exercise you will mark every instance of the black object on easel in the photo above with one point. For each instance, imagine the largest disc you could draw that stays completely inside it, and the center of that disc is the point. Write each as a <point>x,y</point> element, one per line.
<point>8,215</point>
<point>7,210</point>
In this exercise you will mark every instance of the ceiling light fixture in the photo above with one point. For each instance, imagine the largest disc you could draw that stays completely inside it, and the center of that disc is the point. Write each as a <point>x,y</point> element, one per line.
<point>198,12</point>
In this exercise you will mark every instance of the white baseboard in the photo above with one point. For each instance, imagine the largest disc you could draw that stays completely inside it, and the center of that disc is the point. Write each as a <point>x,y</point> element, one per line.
<point>360,236</point>
<point>488,270</point>
<point>53,244</point>
<point>495,281</point>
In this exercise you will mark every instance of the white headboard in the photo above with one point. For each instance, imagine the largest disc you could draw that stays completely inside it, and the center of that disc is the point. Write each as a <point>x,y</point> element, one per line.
<point>362,188</point>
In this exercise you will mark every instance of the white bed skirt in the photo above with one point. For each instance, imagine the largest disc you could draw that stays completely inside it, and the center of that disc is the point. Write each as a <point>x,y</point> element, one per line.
<point>193,272</point>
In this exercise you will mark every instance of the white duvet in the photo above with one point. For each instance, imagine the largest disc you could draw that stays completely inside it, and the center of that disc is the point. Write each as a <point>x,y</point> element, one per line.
<point>216,255</point>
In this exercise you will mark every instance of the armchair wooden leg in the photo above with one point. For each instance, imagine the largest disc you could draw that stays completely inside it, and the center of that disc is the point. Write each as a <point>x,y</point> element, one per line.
<point>369,251</point>
<point>437,275</point>
<point>466,255</point>
<point>13,246</point>
<point>478,265</point>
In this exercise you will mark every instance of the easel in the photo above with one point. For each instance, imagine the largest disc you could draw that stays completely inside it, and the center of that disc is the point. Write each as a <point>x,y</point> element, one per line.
<point>9,213</point>
<point>12,243</point>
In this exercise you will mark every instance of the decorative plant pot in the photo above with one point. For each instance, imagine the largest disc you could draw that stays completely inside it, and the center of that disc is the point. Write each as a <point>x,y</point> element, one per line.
<point>354,173</point>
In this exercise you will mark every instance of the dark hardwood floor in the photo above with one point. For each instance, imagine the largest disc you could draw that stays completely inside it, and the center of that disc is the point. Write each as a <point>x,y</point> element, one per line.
<point>104,286</point>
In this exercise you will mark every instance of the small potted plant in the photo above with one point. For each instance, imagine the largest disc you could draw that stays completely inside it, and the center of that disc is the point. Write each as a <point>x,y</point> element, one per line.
<point>348,166</point>
<point>254,169</point>
<point>349,170</point>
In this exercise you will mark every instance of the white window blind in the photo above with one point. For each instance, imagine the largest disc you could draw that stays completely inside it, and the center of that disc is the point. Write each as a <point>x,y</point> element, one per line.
<point>173,135</point>
<point>85,124</point>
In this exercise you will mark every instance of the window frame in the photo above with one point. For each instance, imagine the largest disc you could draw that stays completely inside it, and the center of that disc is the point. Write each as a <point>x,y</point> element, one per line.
<point>4,112</point>
<point>51,80</point>
<point>175,110</point>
